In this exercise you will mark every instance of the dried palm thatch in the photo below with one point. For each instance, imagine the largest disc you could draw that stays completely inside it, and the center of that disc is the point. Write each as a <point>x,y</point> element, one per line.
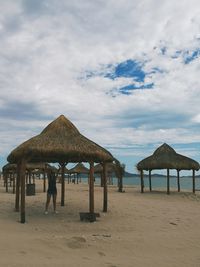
<point>10,170</point>
<point>111,167</point>
<point>9,167</point>
<point>59,171</point>
<point>165,157</point>
<point>79,168</point>
<point>60,141</point>
<point>29,166</point>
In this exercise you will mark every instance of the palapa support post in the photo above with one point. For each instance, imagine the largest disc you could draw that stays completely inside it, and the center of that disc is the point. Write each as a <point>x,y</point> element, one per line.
<point>168,186</point>
<point>33,177</point>
<point>11,178</point>
<point>120,178</point>
<point>6,176</point>
<point>17,187</point>
<point>62,183</point>
<point>44,180</point>
<point>14,185</point>
<point>120,184</point>
<point>91,188</point>
<point>105,189</point>
<point>193,181</point>
<point>29,177</point>
<point>101,177</point>
<point>26,177</point>
<point>150,187</point>
<point>22,180</point>
<point>178,180</point>
<point>142,181</point>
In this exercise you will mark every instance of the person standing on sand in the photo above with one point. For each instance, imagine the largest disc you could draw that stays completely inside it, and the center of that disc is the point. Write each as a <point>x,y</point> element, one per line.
<point>52,191</point>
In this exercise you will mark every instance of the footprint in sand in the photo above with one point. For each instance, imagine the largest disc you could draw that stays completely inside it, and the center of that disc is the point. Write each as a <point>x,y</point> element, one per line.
<point>22,252</point>
<point>101,253</point>
<point>76,242</point>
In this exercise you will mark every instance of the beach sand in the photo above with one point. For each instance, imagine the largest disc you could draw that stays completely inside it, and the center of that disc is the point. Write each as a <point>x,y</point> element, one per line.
<point>150,229</point>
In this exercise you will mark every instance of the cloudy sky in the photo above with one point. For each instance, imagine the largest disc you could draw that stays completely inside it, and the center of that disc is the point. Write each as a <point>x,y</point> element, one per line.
<point>125,72</point>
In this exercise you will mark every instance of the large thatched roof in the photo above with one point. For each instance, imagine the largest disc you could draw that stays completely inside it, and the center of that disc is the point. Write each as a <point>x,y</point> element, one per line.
<point>60,141</point>
<point>79,168</point>
<point>165,157</point>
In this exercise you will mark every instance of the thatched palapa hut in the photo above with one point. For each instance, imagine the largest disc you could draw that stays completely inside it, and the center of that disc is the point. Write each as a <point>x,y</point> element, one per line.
<point>78,170</point>
<point>112,167</point>
<point>165,157</point>
<point>59,173</point>
<point>10,173</point>
<point>60,142</point>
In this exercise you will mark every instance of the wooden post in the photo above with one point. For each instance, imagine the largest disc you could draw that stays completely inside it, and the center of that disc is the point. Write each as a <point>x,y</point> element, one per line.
<point>142,181</point>
<point>29,177</point>
<point>26,177</point>
<point>33,177</point>
<point>17,187</point>
<point>119,175</point>
<point>168,186</point>
<point>150,187</point>
<point>105,189</point>
<point>6,176</point>
<point>22,179</point>
<point>91,188</point>
<point>101,177</point>
<point>178,180</point>
<point>44,180</point>
<point>193,181</point>
<point>120,184</point>
<point>14,177</point>
<point>10,178</point>
<point>62,183</point>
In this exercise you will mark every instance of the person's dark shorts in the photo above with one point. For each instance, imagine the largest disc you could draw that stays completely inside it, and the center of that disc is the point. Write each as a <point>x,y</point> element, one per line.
<point>52,191</point>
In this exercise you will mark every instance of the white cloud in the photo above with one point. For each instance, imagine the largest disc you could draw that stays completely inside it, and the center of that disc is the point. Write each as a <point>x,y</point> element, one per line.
<point>47,47</point>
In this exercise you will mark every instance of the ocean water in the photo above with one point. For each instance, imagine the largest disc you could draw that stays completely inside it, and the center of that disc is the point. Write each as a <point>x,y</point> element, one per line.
<point>157,182</point>
<point>161,182</point>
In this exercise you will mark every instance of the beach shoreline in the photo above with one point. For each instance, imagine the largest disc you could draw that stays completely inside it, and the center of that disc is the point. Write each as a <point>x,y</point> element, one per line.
<point>138,230</point>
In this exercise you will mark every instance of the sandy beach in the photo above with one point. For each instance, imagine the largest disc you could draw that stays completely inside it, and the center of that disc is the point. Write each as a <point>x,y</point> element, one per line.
<point>150,229</point>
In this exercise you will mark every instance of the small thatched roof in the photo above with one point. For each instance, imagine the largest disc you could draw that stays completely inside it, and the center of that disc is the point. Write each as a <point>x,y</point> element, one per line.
<point>29,166</point>
<point>79,168</point>
<point>115,167</point>
<point>65,170</point>
<point>99,168</point>
<point>61,142</point>
<point>165,157</point>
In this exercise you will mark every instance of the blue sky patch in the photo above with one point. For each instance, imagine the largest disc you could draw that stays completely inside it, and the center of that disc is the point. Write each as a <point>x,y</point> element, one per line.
<point>127,90</point>
<point>130,69</point>
<point>127,69</point>
<point>163,50</point>
<point>188,57</point>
